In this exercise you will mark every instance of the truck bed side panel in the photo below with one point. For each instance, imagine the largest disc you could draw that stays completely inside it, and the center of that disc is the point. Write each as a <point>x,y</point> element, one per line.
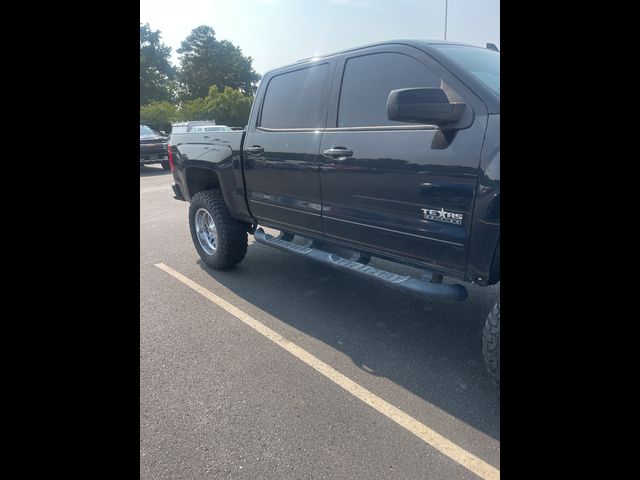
<point>196,156</point>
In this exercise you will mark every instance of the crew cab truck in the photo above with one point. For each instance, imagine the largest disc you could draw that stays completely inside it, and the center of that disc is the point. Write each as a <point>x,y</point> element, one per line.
<point>389,150</point>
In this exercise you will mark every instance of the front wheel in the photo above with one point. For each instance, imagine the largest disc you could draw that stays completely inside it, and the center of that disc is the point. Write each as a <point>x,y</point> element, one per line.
<point>220,239</point>
<point>491,343</point>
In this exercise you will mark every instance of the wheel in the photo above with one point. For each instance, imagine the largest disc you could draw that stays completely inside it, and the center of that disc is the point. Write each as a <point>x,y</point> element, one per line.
<point>286,236</point>
<point>491,343</point>
<point>165,165</point>
<point>220,239</point>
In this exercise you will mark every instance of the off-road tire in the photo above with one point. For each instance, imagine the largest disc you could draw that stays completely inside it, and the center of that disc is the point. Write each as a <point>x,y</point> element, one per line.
<point>491,343</point>
<point>165,165</point>
<point>231,237</point>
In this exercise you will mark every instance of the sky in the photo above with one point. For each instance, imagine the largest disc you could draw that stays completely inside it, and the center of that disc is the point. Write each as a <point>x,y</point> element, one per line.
<point>278,32</point>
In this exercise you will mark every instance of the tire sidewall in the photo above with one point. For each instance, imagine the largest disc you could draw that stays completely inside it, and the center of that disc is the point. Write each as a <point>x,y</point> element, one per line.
<point>196,205</point>
<point>491,343</point>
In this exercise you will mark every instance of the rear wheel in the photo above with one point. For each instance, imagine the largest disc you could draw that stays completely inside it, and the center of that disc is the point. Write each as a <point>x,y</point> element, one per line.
<point>220,239</point>
<point>165,165</point>
<point>491,343</point>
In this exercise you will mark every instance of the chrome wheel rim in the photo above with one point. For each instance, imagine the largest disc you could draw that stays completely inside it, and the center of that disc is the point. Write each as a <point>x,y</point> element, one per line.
<point>206,231</point>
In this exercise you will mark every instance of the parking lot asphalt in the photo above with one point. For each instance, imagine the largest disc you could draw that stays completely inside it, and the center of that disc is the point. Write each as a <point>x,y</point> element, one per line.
<point>220,400</point>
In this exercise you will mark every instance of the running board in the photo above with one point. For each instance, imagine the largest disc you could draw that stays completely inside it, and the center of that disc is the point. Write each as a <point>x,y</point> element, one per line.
<point>416,286</point>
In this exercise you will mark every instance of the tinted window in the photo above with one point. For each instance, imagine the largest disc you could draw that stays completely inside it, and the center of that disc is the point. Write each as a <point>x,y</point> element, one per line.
<point>366,84</point>
<point>294,100</point>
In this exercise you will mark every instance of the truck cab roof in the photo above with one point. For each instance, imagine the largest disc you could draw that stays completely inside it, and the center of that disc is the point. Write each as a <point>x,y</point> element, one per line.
<point>432,48</point>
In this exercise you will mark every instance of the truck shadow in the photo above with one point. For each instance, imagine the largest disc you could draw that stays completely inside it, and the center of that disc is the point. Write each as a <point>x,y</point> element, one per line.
<point>432,349</point>
<point>153,170</point>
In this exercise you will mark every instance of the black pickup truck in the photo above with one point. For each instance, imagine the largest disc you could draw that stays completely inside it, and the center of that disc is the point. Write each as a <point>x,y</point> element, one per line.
<point>153,147</point>
<point>390,150</point>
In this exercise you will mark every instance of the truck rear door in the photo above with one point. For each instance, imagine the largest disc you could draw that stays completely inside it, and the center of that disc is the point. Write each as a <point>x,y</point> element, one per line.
<point>394,187</point>
<point>281,151</point>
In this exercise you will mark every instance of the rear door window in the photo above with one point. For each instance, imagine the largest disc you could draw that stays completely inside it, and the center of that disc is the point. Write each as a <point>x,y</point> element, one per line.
<point>295,99</point>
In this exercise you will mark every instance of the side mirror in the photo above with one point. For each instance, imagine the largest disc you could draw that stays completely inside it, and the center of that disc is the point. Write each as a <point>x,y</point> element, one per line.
<point>423,105</point>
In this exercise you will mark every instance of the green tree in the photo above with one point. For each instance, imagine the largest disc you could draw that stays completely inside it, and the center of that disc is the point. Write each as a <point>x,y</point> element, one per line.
<point>193,110</point>
<point>229,107</point>
<point>159,115</point>
<point>205,61</point>
<point>156,72</point>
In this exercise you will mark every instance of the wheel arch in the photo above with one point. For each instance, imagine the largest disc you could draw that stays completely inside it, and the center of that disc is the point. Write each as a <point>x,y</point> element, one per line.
<point>494,273</point>
<point>199,179</point>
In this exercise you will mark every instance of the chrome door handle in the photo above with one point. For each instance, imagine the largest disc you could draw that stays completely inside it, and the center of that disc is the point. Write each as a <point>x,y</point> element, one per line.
<point>338,152</point>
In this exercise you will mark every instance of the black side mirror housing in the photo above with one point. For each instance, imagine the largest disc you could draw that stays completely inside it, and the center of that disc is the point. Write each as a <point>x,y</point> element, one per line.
<point>423,105</point>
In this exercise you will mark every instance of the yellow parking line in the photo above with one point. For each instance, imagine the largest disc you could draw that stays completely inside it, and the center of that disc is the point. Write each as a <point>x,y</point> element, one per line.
<point>437,441</point>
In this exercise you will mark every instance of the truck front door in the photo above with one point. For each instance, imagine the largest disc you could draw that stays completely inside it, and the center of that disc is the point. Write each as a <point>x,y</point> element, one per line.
<point>403,190</point>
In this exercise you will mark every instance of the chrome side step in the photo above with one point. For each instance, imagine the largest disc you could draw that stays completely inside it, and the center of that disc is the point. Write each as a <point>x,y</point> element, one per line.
<point>420,287</point>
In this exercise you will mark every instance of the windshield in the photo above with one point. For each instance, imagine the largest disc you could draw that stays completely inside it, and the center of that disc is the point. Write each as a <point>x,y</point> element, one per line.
<point>146,132</point>
<point>483,63</point>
